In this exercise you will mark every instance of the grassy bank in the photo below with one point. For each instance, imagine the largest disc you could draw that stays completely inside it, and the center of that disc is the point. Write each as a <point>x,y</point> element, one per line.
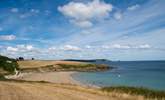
<point>148,93</point>
<point>50,65</point>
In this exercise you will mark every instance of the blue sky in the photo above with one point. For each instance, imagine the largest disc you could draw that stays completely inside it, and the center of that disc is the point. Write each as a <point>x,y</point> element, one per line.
<point>83,29</point>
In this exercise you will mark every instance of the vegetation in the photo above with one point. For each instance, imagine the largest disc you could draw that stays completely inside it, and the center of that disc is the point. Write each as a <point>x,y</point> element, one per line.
<point>67,66</point>
<point>85,66</point>
<point>2,77</point>
<point>8,64</point>
<point>136,91</point>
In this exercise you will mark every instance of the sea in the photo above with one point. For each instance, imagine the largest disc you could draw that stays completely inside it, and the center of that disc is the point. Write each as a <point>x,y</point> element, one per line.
<point>147,74</point>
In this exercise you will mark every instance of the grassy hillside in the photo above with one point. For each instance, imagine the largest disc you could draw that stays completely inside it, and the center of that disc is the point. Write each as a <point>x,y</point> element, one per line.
<point>7,65</point>
<point>147,93</point>
<point>50,65</point>
<point>47,91</point>
<point>40,63</point>
<point>30,90</point>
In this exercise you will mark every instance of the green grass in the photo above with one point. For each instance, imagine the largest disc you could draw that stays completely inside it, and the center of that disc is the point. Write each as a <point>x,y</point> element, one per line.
<point>148,93</point>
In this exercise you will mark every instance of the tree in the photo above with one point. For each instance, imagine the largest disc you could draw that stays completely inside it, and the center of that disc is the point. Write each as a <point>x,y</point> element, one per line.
<point>21,58</point>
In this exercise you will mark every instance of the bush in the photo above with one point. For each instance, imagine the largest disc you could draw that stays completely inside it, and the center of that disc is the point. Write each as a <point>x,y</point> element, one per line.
<point>8,64</point>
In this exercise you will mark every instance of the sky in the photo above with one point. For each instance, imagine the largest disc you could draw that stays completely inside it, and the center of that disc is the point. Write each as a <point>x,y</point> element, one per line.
<point>83,29</point>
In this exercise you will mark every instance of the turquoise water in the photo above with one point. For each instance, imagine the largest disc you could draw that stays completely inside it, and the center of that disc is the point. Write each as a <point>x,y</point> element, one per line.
<point>149,74</point>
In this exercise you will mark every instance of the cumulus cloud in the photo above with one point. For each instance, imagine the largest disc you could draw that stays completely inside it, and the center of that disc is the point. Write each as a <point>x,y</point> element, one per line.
<point>20,48</point>
<point>134,7</point>
<point>12,49</point>
<point>7,37</point>
<point>84,13</point>
<point>68,51</point>
<point>29,47</point>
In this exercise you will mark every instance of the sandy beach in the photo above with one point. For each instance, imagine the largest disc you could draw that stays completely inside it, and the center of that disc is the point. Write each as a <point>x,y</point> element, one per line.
<point>53,77</point>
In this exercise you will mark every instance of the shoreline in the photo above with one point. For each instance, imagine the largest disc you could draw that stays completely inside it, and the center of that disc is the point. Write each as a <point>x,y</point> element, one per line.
<point>62,77</point>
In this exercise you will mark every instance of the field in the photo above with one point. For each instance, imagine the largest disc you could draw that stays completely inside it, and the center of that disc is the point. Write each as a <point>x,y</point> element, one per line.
<point>49,91</point>
<point>40,63</point>
<point>53,65</point>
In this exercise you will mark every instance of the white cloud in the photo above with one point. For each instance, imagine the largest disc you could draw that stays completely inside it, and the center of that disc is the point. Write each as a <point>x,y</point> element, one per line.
<point>64,48</point>
<point>84,13</point>
<point>119,46</point>
<point>14,10</point>
<point>52,50</point>
<point>12,49</point>
<point>29,47</point>
<point>29,14</point>
<point>84,23</point>
<point>34,10</point>
<point>20,48</point>
<point>116,46</point>
<point>25,47</point>
<point>7,37</point>
<point>70,48</point>
<point>134,7</point>
<point>143,46</point>
<point>88,46</point>
<point>25,15</point>
<point>118,15</point>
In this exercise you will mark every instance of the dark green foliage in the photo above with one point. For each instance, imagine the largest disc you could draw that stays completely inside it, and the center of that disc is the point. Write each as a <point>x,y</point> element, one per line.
<point>8,64</point>
<point>137,91</point>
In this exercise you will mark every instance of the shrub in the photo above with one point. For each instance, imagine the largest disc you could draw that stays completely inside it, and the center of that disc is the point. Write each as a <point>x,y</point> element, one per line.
<point>8,64</point>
